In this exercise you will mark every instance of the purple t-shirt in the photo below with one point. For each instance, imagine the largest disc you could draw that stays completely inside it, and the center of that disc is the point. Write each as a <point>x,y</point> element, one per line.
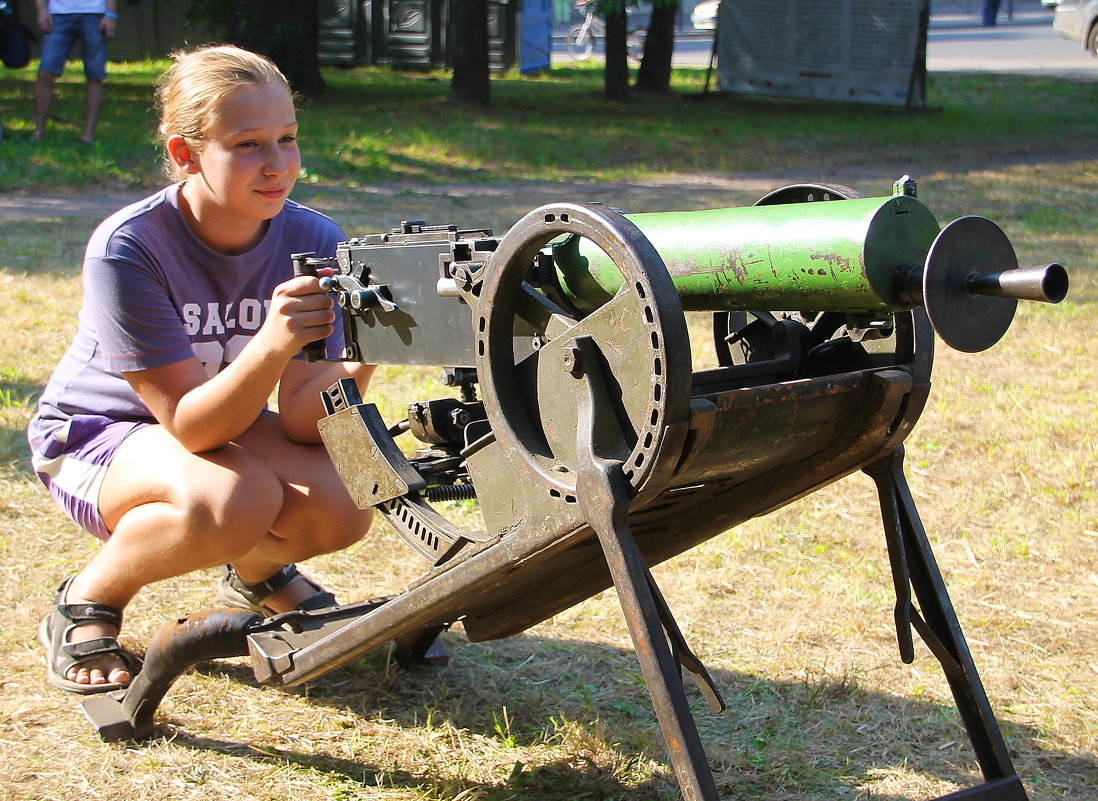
<point>154,294</point>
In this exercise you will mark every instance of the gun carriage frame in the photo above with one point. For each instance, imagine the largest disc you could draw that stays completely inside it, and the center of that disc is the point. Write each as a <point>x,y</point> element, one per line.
<point>648,460</point>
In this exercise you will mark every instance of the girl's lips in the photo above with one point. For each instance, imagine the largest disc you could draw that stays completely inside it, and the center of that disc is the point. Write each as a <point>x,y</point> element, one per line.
<point>272,193</point>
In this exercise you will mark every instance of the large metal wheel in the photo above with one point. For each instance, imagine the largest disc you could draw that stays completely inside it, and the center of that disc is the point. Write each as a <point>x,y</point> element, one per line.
<point>526,349</point>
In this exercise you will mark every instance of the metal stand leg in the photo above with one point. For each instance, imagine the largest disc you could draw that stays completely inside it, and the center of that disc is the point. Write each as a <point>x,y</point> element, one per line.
<point>605,502</point>
<point>213,634</point>
<point>914,568</point>
<point>221,633</point>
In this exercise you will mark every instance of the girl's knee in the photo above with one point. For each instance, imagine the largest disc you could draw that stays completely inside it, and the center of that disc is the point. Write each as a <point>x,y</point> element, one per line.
<point>341,529</point>
<point>226,494</point>
<point>239,502</point>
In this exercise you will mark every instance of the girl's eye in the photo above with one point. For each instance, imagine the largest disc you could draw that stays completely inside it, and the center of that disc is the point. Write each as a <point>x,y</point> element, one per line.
<point>289,138</point>
<point>246,144</point>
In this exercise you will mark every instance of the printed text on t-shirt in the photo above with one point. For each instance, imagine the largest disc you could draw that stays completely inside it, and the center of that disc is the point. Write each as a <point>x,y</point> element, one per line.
<point>216,319</point>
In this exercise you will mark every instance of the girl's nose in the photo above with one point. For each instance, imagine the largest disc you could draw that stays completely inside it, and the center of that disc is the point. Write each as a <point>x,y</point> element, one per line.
<point>275,161</point>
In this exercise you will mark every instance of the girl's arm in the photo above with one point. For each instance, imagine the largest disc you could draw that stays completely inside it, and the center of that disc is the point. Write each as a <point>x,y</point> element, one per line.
<point>204,414</point>
<point>299,403</point>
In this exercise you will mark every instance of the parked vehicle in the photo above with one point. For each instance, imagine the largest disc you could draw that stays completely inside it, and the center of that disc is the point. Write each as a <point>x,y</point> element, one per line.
<point>580,39</point>
<point>1077,20</point>
<point>704,15</point>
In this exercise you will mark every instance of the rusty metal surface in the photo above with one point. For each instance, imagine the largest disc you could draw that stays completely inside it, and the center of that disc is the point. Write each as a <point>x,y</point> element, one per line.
<point>199,637</point>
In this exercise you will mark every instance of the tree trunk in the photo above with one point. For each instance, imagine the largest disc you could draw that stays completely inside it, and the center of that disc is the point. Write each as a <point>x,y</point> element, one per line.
<point>616,74</point>
<point>469,52</point>
<point>286,32</point>
<point>654,74</point>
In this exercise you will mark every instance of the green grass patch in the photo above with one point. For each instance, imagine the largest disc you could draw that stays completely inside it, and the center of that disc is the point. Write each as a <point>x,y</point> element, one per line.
<point>378,125</point>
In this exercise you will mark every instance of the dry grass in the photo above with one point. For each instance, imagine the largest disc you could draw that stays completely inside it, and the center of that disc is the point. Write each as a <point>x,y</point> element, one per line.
<point>790,613</point>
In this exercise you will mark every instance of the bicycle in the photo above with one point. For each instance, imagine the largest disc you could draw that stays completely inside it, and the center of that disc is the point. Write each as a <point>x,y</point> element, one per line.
<point>580,39</point>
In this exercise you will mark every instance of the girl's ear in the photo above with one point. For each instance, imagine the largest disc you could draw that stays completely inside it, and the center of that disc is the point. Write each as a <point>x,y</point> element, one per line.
<point>182,154</point>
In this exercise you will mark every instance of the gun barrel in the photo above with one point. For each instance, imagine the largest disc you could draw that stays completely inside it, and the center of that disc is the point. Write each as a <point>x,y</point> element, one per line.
<point>1047,284</point>
<point>858,256</point>
<point>838,256</point>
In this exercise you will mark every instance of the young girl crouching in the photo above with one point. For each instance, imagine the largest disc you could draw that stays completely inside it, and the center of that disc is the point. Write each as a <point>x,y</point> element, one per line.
<point>153,432</point>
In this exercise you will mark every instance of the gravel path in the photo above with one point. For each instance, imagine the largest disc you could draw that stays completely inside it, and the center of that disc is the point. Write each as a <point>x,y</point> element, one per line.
<point>695,191</point>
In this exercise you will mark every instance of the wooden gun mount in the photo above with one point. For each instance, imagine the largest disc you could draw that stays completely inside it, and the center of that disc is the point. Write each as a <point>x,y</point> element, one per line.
<point>596,451</point>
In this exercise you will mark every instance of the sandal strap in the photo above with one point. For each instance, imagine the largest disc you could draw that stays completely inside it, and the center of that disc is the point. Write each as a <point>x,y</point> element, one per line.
<point>86,611</point>
<point>82,613</point>
<point>321,599</point>
<point>100,646</point>
<point>74,654</point>
<point>259,592</point>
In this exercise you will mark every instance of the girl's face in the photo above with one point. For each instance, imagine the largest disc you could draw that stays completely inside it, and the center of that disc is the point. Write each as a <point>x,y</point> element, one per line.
<point>246,167</point>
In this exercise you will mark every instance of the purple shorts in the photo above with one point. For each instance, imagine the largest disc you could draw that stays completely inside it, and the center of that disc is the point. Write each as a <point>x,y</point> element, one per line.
<point>72,461</point>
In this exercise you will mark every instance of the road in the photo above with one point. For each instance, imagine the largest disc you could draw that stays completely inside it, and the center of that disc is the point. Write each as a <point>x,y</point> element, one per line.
<point>1022,43</point>
<point>1025,44</point>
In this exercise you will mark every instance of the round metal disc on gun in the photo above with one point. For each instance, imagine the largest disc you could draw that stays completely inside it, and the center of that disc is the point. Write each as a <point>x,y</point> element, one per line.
<point>967,247</point>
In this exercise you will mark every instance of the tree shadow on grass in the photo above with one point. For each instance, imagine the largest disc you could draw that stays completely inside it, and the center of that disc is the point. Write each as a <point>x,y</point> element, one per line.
<point>560,780</point>
<point>806,739</point>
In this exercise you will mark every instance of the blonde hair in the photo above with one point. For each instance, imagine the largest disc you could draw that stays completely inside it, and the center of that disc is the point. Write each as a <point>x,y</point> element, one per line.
<point>198,82</point>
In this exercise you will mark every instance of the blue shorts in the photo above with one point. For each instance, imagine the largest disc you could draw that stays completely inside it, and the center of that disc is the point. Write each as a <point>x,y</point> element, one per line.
<point>57,45</point>
<point>73,460</point>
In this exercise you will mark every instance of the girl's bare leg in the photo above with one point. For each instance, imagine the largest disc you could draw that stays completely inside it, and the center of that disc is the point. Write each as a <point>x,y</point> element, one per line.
<point>259,503</point>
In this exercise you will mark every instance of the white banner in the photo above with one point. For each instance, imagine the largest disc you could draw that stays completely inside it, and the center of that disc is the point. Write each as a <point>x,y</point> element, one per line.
<point>850,51</point>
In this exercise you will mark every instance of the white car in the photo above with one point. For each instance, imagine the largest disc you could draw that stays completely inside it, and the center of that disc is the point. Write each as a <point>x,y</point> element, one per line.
<point>704,15</point>
<point>1077,20</point>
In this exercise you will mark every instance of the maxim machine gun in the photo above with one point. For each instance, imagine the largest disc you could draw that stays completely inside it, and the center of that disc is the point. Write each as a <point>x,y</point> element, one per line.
<point>595,450</point>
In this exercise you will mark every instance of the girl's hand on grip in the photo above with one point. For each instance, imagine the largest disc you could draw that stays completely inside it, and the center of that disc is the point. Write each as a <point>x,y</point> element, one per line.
<point>301,312</point>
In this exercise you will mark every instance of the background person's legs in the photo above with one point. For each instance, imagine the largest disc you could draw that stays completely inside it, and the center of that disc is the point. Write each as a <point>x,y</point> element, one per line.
<point>990,12</point>
<point>56,46</point>
<point>43,101</point>
<point>95,71</point>
<point>93,98</point>
<point>57,42</point>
